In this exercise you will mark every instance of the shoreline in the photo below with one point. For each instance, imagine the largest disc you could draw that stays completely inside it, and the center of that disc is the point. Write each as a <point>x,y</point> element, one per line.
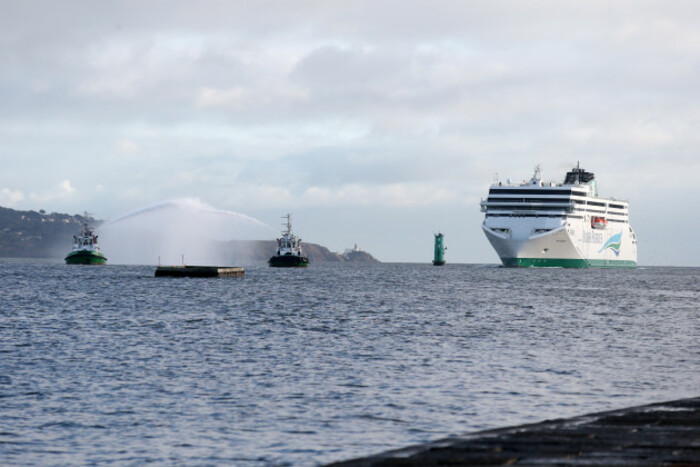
<point>665,433</point>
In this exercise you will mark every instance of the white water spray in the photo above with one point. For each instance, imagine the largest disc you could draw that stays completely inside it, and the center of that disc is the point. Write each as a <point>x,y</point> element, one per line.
<point>171,230</point>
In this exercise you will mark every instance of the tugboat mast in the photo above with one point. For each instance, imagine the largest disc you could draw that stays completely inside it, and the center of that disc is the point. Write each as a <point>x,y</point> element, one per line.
<point>288,224</point>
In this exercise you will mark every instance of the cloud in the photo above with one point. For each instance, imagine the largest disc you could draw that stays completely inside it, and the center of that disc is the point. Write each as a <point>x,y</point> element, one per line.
<point>210,97</point>
<point>335,104</point>
<point>126,147</point>
<point>391,195</point>
<point>66,187</point>
<point>60,191</point>
<point>10,197</point>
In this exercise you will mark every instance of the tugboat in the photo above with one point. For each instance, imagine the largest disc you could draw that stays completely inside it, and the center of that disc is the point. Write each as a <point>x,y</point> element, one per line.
<point>85,248</point>
<point>289,253</point>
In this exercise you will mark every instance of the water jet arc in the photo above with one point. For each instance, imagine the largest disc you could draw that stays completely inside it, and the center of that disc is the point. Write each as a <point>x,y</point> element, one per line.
<point>175,228</point>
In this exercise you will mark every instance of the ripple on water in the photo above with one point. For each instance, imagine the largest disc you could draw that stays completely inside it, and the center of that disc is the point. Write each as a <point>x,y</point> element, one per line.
<point>112,365</point>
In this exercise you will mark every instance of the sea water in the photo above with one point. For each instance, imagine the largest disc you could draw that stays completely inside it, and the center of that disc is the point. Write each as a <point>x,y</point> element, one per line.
<point>110,365</point>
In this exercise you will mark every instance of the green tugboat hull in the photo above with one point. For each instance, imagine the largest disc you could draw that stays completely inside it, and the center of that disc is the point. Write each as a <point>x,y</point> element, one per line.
<point>288,261</point>
<point>85,257</point>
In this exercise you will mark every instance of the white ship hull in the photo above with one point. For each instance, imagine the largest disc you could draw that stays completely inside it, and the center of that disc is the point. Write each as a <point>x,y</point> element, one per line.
<point>574,245</point>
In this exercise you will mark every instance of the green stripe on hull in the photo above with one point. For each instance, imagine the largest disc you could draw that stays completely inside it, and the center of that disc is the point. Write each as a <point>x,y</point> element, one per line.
<point>85,257</point>
<point>566,263</point>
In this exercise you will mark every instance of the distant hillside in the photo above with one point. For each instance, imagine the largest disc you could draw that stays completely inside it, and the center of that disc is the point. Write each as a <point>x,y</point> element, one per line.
<point>31,234</point>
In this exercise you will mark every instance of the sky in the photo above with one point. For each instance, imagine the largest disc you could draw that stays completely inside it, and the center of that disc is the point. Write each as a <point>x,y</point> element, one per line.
<point>374,123</point>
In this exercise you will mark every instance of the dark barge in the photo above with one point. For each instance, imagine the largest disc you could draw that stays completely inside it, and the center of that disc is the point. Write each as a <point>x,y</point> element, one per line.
<point>199,271</point>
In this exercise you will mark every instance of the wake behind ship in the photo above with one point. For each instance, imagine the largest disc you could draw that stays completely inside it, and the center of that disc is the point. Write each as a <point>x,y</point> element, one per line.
<point>547,224</point>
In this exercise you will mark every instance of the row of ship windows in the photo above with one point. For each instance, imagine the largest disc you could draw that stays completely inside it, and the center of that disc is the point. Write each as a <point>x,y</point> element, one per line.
<point>610,206</point>
<point>528,200</point>
<point>552,200</point>
<point>535,215</point>
<point>515,207</point>
<point>595,203</point>
<point>551,216</point>
<point>527,208</point>
<point>563,216</point>
<point>534,191</point>
<point>598,211</point>
<point>549,192</point>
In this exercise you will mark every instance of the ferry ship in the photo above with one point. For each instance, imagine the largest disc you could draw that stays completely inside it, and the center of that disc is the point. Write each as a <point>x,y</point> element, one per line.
<point>289,253</point>
<point>85,248</point>
<point>548,224</point>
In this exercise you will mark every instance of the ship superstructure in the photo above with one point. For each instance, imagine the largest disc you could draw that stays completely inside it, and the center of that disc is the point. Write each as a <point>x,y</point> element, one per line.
<point>548,224</point>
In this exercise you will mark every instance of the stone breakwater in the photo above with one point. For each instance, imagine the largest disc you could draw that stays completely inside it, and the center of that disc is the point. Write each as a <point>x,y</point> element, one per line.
<point>666,434</point>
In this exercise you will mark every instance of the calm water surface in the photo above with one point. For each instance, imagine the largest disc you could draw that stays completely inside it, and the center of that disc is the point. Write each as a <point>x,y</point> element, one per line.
<point>109,365</point>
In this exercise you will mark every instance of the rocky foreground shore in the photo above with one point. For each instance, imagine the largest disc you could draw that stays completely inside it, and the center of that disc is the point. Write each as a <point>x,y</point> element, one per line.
<point>664,434</point>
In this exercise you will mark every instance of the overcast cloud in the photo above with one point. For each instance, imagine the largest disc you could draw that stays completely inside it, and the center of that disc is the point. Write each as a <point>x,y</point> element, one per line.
<point>374,123</point>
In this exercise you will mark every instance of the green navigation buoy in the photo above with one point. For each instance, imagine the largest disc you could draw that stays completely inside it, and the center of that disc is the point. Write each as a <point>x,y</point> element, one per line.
<point>439,259</point>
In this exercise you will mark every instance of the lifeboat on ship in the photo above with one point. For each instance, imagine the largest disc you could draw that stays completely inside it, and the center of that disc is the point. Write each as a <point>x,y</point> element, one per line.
<point>599,223</point>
